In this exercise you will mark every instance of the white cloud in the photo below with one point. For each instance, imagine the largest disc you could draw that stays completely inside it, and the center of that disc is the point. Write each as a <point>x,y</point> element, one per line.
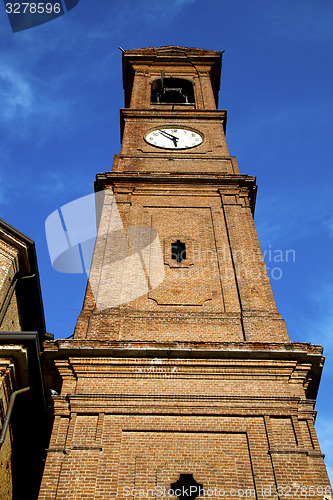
<point>28,106</point>
<point>3,192</point>
<point>150,13</point>
<point>306,20</point>
<point>329,225</point>
<point>16,96</point>
<point>33,92</point>
<point>324,429</point>
<point>322,332</point>
<point>182,3</point>
<point>285,222</point>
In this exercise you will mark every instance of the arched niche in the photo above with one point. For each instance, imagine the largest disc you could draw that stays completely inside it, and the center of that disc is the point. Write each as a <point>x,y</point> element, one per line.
<point>172,91</point>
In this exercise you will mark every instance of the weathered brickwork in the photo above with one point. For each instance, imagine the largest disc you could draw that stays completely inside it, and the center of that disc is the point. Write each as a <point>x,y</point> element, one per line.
<point>197,374</point>
<point>7,382</point>
<point>235,420</point>
<point>9,266</point>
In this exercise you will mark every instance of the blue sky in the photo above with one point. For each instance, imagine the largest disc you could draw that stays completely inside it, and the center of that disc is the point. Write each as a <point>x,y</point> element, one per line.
<point>60,94</point>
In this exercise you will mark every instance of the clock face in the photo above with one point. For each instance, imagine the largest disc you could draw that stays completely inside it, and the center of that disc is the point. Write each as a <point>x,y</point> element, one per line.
<point>173,138</point>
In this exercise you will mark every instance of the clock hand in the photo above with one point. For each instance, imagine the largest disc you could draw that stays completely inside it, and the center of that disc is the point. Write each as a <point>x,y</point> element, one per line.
<point>166,134</point>
<point>169,136</point>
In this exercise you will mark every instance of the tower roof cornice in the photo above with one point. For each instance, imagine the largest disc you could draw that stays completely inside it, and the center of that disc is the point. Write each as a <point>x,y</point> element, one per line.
<point>171,55</point>
<point>174,51</point>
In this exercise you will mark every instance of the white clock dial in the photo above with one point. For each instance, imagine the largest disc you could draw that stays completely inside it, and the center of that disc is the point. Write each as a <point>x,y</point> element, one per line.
<point>173,138</point>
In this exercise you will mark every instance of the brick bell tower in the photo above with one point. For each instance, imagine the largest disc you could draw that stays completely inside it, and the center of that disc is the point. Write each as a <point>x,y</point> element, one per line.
<point>181,375</point>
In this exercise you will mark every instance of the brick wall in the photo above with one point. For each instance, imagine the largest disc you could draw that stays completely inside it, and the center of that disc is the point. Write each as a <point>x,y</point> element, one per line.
<point>195,374</point>
<point>235,422</point>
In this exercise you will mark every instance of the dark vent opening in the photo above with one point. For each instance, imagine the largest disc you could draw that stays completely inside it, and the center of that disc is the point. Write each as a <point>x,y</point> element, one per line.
<point>186,488</point>
<point>178,251</point>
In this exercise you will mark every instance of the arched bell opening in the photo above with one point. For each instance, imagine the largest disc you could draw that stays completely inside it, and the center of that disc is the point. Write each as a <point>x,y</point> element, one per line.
<point>172,91</point>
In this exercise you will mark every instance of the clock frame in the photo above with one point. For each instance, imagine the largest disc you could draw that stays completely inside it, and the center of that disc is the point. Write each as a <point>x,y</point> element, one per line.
<point>175,138</point>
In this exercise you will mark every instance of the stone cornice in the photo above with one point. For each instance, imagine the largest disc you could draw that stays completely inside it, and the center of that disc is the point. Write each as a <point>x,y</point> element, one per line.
<point>179,113</point>
<point>308,357</point>
<point>210,350</point>
<point>219,182</point>
<point>215,179</point>
<point>183,404</point>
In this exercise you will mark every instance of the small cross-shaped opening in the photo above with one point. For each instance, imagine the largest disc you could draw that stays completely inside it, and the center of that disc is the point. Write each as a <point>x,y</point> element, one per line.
<point>186,488</point>
<point>178,251</point>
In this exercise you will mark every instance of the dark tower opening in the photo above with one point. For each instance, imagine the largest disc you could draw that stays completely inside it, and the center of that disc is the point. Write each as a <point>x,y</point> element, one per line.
<point>186,488</point>
<point>172,91</point>
<point>178,251</point>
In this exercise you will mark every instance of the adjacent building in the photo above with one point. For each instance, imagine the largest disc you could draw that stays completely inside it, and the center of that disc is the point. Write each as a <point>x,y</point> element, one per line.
<point>24,416</point>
